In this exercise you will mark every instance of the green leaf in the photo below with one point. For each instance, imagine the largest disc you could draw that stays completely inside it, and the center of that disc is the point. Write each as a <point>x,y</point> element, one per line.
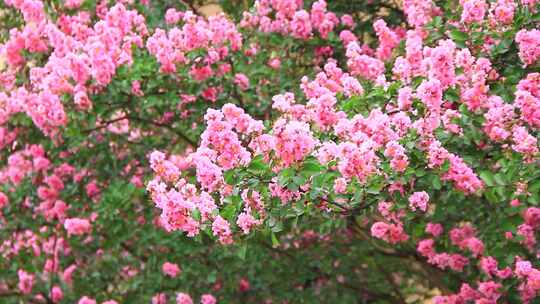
<point>458,36</point>
<point>436,182</point>
<point>446,166</point>
<point>534,187</point>
<point>196,214</point>
<point>487,177</point>
<point>242,251</point>
<point>229,177</point>
<point>311,168</point>
<point>285,176</point>
<point>275,241</point>
<point>229,212</point>
<point>257,165</point>
<point>491,196</point>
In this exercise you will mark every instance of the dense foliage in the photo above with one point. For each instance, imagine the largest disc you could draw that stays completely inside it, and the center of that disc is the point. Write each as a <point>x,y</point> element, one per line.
<point>287,151</point>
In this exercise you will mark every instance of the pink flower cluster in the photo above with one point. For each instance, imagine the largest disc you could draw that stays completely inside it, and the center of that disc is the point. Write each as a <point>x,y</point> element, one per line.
<point>171,269</point>
<point>289,18</point>
<point>419,12</point>
<point>454,261</point>
<point>464,238</point>
<point>222,135</point>
<point>220,150</point>
<point>389,232</point>
<point>363,65</point>
<point>502,11</point>
<point>419,200</point>
<point>216,35</point>
<point>77,226</point>
<point>388,40</point>
<point>528,229</point>
<point>459,172</point>
<point>184,298</point>
<point>293,141</point>
<point>528,99</point>
<point>79,54</point>
<point>529,45</point>
<point>473,11</point>
<point>26,281</point>
<point>490,291</point>
<point>487,292</point>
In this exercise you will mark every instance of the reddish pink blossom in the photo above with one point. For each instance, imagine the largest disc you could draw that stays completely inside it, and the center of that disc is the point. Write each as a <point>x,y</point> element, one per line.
<point>171,269</point>
<point>77,226</point>
<point>419,200</point>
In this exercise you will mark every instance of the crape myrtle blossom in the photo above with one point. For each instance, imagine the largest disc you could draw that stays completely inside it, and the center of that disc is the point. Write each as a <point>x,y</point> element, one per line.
<point>417,141</point>
<point>75,61</point>
<point>291,140</point>
<point>376,142</point>
<point>290,18</point>
<point>529,45</point>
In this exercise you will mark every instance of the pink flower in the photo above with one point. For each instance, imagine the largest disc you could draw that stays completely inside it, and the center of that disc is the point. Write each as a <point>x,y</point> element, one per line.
<point>430,93</point>
<point>398,159</point>
<point>201,73</point>
<point>242,81</point>
<point>503,11</point>
<point>301,25</point>
<point>426,248</point>
<point>136,88</point>
<point>182,298</point>
<point>388,40</point>
<point>419,200</point>
<point>363,65</point>
<point>435,229</point>
<point>473,10</point>
<point>56,294</point>
<point>418,12</point>
<point>92,188</point>
<point>26,281</point>
<point>475,245</point>
<point>68,273</point>
<point>347,36</point>
<point>489,265</point>
<point>73,4</point>
<point>211,94</point>
<point>524,142</point>
<point>208,299</point>
<point>77,226</point>
<point>462,175</point>
<point>490,290</point>
<point>159,298</point>
<point>221,229</point>
<point>340,185</point>
<point>4,200</point>
<point>246,222</point>
<point>243,285</point>
<point>294,141</point>
<point>170,269</point>
<point>347,20</point>
<point>86,300</point>
<point>529,45</point>
<point>274,63</point>
<point>523,268</point>
<point>172,16</point>
<point>405,96</point>
<point>390,233</point>
<point>529,106</point>
<point>532,217</point>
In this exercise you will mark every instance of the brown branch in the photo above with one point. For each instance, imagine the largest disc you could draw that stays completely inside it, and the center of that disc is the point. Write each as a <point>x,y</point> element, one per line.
<point>161,125</point>
<point>107,123</point>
